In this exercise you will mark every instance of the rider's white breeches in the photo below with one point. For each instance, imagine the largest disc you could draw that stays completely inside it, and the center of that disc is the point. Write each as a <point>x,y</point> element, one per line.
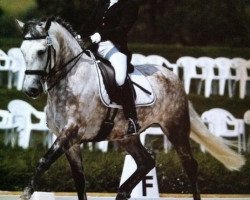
<point>118,60</point>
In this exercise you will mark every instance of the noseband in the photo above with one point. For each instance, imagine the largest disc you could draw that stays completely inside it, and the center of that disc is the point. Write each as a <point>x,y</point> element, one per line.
<point>48,67</point>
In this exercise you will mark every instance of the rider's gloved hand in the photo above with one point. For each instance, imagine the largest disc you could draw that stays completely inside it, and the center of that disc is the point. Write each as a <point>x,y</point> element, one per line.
<point>86,43</point>
<point>95,38</point>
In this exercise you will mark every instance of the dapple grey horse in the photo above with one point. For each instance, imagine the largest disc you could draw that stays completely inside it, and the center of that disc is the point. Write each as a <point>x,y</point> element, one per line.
<point>75,112</point>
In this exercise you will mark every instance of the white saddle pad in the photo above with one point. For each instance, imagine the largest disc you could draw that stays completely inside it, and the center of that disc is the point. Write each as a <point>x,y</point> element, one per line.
<point>142,98</point>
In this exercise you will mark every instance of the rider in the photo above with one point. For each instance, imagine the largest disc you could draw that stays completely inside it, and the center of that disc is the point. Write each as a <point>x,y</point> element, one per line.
<point>108,27</point>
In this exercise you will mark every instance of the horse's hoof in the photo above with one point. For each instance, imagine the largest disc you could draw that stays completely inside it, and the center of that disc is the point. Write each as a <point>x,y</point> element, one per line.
<point>23,197</point>
<point>27,192</point>
<point>122,196</point>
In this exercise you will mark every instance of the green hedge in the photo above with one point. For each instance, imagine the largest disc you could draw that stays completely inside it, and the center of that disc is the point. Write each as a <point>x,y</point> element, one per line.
<point>103,171</point>
<point>172,53</point>
<point>6,43</point>
<point>7,95</point>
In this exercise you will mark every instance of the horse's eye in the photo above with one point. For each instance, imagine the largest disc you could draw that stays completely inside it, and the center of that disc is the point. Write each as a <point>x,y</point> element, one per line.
<point>41,52</point>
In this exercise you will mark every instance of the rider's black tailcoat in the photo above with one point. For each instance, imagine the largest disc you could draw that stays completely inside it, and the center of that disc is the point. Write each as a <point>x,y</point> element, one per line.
<point>114,23</point>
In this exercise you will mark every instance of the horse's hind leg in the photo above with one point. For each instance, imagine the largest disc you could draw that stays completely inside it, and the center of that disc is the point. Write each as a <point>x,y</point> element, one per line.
<point>75,160</point>
<point>180,140</point>
<point>144,163</point>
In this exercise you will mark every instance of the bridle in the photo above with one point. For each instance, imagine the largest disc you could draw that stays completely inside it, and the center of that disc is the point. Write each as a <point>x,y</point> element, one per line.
<point>50,71</point>
<point>48,65</point>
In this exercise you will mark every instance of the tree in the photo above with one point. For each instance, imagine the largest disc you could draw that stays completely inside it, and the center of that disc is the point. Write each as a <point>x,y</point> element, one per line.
<point>193,22</point>
<point>74,11</point>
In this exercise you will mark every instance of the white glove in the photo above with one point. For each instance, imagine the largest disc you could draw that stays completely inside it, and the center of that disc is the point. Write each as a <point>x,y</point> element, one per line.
<point>95,38</point>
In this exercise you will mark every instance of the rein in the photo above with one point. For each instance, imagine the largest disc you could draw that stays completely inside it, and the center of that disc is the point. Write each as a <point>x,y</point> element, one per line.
<point>48,67</point>
<point>54,72</point>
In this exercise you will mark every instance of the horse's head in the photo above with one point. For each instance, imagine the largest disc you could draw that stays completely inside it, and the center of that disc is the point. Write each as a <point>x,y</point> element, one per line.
<point>36,49</point>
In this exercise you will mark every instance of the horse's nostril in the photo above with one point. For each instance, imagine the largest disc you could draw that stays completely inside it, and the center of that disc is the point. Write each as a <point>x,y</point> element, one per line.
<point>34,91</point>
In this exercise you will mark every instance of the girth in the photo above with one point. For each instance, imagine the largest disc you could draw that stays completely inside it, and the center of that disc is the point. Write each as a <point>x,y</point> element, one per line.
<point>107,125</point>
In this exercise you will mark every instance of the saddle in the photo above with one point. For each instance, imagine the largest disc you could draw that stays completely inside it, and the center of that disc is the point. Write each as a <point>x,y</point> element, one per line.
<point>141,87</point>
<point>108,75</point>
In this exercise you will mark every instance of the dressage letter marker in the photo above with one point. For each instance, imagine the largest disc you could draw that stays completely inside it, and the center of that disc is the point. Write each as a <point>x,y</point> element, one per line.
<point>148,187</point>
<point>145,185</point>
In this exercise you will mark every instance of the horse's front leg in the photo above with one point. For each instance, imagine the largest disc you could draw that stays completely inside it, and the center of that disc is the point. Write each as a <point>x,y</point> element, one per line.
<point>67,138</point>
<point>75,160</point>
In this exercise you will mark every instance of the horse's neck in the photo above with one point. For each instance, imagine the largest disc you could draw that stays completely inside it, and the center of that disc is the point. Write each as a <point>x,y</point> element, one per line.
<point>68,47</point>
<point>75,93</point>
<point>81,74</point>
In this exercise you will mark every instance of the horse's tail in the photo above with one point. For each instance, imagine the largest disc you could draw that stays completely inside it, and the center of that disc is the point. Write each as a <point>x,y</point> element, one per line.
<point>217,147</point>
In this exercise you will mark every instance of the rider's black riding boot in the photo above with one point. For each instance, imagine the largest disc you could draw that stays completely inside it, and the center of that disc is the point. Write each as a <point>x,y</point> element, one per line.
<point>127,101</point>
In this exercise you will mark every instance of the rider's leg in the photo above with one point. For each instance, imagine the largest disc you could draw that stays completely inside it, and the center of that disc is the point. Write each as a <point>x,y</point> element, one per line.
<point>128,104</point>
<point>119,62</point>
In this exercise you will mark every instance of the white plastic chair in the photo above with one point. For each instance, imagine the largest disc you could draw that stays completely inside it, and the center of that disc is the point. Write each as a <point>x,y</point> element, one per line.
<point>5,66</point>
<point>243,74</point>
<point>222,123</point>
<point>239,66</point>
<point>244,79</point>
<point>7,124</point>
<point>138,59</point>
<point>103,146</point>
<point>247,117</point>
<point>155,131</point>
<point>225,66</point>
<point>159,60</point>
<point>22,114</point>
<point>208,65</point>
<point>190,72</point>
<point>17,67</point>
<point>247,120</point>
<point>6,119</point>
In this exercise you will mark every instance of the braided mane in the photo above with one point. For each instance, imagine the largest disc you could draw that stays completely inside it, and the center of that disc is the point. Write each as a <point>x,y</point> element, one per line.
<point>30,26</point>
<point>67,26</point>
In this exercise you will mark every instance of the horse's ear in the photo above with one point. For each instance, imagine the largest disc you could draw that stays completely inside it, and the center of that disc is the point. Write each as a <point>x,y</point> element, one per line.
<point>48,23</point>
<point>20,25</point>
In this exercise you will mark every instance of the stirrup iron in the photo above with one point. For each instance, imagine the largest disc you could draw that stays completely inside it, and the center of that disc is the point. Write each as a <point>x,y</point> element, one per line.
<point>133,127</point>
